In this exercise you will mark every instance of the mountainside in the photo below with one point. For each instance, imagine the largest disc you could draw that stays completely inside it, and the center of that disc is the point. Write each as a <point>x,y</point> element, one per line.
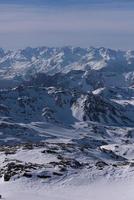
<point>66,115</point>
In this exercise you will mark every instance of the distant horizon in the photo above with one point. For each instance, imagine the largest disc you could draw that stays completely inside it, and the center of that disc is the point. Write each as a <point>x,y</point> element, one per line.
<point>107,23</point>
<point>73,46</point>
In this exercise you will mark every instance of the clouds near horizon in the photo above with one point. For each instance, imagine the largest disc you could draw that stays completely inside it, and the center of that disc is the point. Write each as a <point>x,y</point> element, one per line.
<point>57,25</point>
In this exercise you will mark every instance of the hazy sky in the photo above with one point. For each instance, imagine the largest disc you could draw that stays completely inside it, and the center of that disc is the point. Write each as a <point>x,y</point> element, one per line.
<point>108,23</point>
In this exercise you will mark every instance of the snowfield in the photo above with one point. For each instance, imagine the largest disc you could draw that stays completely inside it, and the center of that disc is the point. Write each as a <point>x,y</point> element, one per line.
<point>96,191</point>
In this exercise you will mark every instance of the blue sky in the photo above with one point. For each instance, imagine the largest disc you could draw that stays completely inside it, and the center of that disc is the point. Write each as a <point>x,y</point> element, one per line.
<point>63,2</point>
<point>83,23</point>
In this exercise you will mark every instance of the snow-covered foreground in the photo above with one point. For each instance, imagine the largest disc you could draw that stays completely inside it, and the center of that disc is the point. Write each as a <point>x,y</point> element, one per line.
<point>84,180</point>
<point>97,191</point>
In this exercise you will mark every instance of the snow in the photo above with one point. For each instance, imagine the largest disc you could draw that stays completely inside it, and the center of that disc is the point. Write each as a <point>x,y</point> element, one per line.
<point>96,191</point>
<point>22,64</point>
<point>78,104</point>
<point>33,156</point>
<point>126,150</point>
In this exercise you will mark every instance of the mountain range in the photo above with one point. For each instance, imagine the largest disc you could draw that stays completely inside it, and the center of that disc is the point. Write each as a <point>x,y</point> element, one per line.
<point>66,110</point>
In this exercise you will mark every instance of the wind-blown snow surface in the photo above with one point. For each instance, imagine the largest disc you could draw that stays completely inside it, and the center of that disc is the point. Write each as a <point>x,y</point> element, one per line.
<point>66,123</point>
<point>97,191</point>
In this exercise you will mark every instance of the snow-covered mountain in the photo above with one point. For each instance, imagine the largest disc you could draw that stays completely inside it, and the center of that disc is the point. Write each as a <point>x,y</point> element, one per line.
<point>105,66</point>
<point>66,114</point>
